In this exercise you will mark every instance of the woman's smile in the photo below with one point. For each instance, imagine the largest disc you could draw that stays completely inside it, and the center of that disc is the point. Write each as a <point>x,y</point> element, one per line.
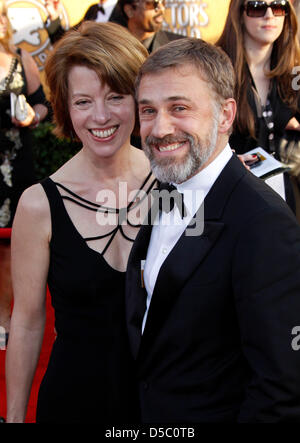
<point>104,134</point>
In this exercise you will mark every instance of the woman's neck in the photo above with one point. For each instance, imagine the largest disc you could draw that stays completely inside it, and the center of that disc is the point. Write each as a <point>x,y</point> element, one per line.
<point>259,58</point>
<point>109,169</point>
<point>258,55</point>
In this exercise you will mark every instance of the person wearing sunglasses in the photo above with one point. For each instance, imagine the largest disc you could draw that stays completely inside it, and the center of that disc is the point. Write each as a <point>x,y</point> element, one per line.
<point>260,37</point>
<point>296,4</point>
<point>144,19</point>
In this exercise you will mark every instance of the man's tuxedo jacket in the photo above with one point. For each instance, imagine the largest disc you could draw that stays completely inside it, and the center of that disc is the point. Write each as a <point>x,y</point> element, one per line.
<point>217,345</point>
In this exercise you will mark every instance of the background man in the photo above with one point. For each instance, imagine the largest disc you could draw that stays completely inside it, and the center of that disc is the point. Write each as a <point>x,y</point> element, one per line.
<point>211,330</point>
<point>144,19</point>
<point>102,11</point>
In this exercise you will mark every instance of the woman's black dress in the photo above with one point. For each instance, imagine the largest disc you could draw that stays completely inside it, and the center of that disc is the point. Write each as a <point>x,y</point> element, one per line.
<point>90,376</point>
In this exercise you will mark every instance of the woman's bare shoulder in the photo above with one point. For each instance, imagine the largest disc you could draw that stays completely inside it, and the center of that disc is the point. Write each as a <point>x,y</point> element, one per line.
<point>34,201</point>
<point>32,220</point>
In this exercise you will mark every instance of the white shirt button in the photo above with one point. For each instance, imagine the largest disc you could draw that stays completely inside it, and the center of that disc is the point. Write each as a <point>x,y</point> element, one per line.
<point>164,250</point>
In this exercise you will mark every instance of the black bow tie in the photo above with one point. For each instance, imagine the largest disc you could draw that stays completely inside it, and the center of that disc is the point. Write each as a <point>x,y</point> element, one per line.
<point>166,203</point>
<point>101,9</point>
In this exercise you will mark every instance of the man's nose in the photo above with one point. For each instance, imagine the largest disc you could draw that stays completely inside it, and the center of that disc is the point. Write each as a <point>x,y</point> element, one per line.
<point>162,125</point>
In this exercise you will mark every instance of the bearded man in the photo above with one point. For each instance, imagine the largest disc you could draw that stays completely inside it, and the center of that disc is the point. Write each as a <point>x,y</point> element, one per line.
<point>210,312</point>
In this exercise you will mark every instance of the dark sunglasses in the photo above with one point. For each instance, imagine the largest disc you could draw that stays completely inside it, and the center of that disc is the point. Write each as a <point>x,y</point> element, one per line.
<point>258,9</point>
<point>155,3</point>
<point>152,4</point>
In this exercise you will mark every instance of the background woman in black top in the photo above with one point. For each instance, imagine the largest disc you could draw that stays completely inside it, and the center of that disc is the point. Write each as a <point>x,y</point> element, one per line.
<point>261,40</point>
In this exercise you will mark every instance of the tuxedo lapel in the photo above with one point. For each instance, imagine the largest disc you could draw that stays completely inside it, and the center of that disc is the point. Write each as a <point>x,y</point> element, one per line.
<point>177,269</point>
<point>160,39</point>
<point>136,295</point>
<point>190,251</point>
<point>91,13</point>
<point>179,266</point>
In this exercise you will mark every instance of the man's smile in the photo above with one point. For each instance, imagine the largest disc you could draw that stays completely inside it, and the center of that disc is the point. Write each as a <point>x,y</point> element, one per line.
<point>170,147</point>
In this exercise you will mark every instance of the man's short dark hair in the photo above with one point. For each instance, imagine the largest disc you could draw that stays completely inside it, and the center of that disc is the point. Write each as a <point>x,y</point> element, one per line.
<point>122,3</point>
<point>212,63</point>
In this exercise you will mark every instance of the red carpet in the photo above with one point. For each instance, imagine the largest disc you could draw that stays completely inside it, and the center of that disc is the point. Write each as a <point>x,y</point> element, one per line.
<point>44,357</point>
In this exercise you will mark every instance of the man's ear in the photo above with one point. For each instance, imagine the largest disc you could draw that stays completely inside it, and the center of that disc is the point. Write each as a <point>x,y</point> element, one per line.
<point>227,115</point>
<point>128,9</point>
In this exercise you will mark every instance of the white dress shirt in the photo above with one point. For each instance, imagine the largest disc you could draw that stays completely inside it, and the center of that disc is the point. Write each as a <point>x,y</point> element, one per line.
<point>108,8</point>
<point>168,228</point>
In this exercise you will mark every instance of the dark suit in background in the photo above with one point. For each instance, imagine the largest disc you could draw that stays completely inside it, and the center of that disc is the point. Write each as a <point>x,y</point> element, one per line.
<point>162,38</point>
<point>56,31</point>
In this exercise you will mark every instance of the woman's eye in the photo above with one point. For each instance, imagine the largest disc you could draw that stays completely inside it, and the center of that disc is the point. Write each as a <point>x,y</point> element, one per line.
<point>81,102</point>
<point>116,97</point>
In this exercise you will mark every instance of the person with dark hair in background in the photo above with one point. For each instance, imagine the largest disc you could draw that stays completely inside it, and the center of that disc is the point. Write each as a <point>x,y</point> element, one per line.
<point>296,4</point>
<point>144,19</point>
<point>211,322</point>
<point>80,242</point>
<point>261,40</point>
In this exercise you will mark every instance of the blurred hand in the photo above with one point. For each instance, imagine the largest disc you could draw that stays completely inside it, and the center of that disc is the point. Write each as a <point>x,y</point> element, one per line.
<point>29,119</point>
<point>248,159</point>
<point>293,125</point>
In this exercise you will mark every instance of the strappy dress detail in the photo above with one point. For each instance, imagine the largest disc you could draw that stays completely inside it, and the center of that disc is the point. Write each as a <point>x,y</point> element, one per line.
<point>91,206</point>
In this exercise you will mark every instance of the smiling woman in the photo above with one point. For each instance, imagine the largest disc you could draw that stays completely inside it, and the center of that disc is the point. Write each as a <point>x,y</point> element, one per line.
<point>83,260</point>
<point>101,118</point>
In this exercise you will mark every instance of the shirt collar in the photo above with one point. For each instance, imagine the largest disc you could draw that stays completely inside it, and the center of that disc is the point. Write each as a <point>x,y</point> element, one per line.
<point>204,180</point>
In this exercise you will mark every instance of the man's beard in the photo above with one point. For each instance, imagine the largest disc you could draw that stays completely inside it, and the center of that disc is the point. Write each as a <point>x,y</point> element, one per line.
<point>170,169</point>
<point>153,26</point>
